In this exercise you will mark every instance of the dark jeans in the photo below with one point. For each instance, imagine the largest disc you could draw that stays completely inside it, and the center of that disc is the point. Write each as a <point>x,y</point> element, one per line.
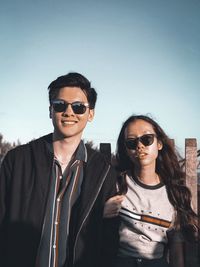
<point>138,262</point>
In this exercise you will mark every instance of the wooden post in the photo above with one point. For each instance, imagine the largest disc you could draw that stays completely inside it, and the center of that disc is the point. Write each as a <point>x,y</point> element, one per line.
<point>191,257</point>
<point>105,148</point>
<point>191,168</point>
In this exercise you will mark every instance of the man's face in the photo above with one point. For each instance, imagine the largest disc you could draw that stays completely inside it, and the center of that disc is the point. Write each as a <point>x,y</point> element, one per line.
<point>68,124</point>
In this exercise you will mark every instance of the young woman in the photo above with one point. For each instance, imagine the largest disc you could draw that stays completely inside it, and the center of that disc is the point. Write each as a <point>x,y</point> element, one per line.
<point>153,204</point>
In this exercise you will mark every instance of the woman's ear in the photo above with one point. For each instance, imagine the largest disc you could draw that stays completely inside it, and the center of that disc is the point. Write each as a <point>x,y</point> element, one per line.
<point>160,145</point>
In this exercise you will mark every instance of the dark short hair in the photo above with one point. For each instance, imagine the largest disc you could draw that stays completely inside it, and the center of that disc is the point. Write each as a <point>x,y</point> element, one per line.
<point>73,79</point>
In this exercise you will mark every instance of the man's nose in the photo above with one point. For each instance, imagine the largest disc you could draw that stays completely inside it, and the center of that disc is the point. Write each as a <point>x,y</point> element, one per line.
<point>68,111</point>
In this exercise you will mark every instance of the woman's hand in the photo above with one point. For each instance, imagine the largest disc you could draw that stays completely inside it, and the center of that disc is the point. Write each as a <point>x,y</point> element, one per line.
<point>113,206</point>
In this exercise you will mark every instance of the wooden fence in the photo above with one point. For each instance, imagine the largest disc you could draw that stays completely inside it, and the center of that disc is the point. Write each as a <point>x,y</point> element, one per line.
<point>189,163</point>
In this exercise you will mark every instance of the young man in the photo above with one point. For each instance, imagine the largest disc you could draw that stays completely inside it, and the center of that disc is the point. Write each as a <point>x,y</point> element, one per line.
<point>53,190</point>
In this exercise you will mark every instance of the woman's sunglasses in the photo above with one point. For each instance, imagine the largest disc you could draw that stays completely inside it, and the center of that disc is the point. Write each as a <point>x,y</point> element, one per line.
<point>146,140</point>
<point>77,107</point>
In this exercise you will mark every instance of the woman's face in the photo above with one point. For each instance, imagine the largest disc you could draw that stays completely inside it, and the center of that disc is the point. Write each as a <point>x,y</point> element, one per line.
<point>143,150</point>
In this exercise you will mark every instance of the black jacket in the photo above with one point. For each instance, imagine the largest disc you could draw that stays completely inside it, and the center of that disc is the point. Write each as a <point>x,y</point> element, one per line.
<point>25,178</point>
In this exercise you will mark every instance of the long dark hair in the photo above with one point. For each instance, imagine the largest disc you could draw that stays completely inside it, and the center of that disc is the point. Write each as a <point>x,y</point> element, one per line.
<point>168,168</point>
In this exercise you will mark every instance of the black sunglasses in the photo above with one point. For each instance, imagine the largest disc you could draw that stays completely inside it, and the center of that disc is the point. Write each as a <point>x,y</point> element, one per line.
<point>146,140</point>
<point>77,107</point>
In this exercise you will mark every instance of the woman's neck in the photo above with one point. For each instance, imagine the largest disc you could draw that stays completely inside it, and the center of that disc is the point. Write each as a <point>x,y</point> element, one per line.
<point>148,177</point>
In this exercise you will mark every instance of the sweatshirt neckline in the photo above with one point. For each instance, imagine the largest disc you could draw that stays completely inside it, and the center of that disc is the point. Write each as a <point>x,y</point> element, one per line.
<point>146,186</point>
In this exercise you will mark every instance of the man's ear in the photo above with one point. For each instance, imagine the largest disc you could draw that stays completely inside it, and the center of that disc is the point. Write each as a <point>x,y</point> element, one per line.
<point>91,115</point>
<point>50,112</point>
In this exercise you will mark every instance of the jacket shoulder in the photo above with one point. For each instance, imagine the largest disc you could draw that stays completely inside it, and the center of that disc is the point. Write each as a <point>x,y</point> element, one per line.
<point>24,149</point>
<point>94,154</point>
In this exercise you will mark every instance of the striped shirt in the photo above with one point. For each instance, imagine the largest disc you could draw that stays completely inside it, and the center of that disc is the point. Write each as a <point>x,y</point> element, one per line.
<point>64,191</point>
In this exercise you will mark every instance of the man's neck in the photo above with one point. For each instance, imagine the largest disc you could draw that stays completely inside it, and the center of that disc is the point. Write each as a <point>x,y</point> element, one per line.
<point>64,149</point>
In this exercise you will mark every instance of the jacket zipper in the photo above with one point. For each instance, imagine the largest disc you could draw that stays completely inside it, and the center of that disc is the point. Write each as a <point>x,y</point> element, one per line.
<point>89,212</point>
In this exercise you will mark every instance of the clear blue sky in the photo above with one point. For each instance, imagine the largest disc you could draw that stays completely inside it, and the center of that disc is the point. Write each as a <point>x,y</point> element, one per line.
<point>142,56</point>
